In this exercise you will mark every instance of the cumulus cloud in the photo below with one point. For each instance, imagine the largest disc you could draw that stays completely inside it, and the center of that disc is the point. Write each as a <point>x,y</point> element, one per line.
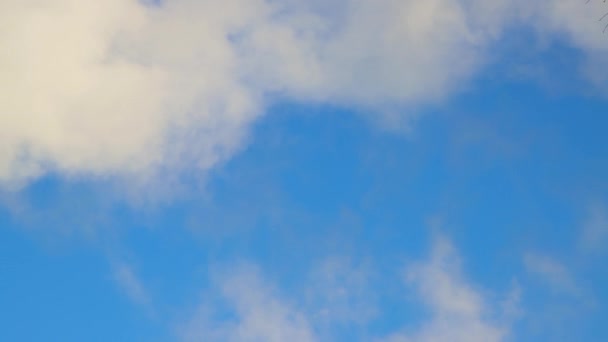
<point>114,87</point>
<point>118,87</point>
<point>249,308</point>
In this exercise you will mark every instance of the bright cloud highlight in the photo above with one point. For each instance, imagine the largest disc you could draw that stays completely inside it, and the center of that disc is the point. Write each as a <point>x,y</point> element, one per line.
<point>122,88</point>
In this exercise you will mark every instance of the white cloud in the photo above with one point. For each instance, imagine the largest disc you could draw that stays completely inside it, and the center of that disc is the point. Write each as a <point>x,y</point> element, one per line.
<point>102,88</point>
<point>578,24</point>
<point>255,313</point>
<point>459,311</point>
<point>248,308</point>
<point>574,19</point>
<point>111,87</point>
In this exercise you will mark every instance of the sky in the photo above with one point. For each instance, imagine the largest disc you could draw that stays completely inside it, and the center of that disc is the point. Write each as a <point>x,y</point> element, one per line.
<point>303,171</point>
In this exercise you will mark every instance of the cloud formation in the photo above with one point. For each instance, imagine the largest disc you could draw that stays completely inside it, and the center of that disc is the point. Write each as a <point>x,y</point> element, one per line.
<point>247,307</point>
<point>254,313</point>
<point>118,87</point>
<point>553,273</point>
<point>129,282</point>
<point>459,312</point>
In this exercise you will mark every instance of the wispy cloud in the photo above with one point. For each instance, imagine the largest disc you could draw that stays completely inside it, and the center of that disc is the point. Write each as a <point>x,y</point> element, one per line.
<point>255,312</point>
<point>594,235</point>
<point>459,311</point>
<point>130,283</point>
<point>339,295</point>
<point>247,308</point>
<point>555,275</point>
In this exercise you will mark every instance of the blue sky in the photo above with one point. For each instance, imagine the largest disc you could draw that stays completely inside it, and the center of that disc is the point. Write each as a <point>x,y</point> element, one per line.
<point>288,171</point>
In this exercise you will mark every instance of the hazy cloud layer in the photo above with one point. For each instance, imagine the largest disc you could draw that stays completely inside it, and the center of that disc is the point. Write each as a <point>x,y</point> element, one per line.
<point>103,88</point>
